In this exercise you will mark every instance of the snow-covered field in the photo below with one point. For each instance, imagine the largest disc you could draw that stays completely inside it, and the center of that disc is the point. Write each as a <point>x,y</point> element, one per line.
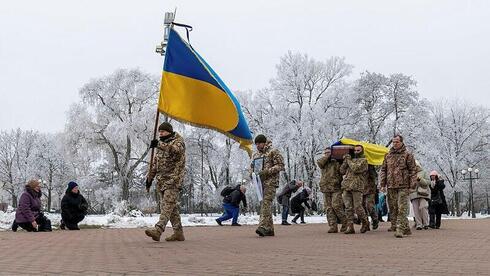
<point>116,221</point>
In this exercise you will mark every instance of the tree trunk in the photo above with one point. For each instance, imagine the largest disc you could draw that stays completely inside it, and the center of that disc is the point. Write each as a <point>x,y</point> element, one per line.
<point>125,188</point>
<point>14,200</point>
<point>49,200</point>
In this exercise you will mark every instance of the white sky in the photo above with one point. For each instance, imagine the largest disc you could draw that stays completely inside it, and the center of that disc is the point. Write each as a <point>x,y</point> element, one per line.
<point>49,49</point>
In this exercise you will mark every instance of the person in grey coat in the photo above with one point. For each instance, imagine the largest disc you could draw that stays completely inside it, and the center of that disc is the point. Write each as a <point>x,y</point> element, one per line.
<point>284,196</point>
<point>420,197</point>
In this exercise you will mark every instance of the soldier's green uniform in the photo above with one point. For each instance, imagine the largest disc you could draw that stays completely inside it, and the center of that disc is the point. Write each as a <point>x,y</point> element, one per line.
<point>398,173</point>
<point>330,186</point>
<point>269,176</point>
<point>355,171</point>
<point>369,197</point>
<point>169,169</point>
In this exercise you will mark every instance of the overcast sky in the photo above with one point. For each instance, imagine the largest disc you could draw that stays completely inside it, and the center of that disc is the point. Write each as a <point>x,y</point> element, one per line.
<point>49,49</point>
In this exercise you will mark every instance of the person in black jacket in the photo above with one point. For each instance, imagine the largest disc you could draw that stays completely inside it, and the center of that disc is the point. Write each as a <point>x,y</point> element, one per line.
<point>231,203</point>
<point>297,204</point>
<point>73,207</point>
<point>437,204</point>
<point>285,195</point>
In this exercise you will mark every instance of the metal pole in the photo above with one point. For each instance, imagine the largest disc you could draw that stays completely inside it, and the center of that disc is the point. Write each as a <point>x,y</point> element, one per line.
<point>160,49</point>
<point>472,198</point>
<point>486,190</point>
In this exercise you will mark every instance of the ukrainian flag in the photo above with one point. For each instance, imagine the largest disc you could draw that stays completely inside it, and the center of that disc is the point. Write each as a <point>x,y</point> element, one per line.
<point>191,92</point>
<point>375,154</point>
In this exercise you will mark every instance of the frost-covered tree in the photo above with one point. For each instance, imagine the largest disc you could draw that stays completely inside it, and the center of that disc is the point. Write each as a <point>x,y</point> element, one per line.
<point>458,138</point>
<point>17,156</point>
<point>116,116</point>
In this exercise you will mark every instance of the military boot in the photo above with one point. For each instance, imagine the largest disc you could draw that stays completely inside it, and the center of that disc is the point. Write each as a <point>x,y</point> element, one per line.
<point>269,233</point>
<point>344,227</point>
<point>153,233</point>
<point>178,235</point>
<point>350,229</point>
<point>407,232</point>
<point>375,224</point>
<point>260,231</point>
<point>398,233</point>
<point>333,229</point>
<point>365,226</point>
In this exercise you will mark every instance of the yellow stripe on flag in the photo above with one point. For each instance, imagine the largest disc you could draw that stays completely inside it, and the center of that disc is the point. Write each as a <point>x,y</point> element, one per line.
<point>197,102</point>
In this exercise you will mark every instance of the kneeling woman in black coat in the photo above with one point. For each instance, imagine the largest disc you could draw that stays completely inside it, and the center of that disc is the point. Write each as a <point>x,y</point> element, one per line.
<point>73,207</point>
<point>297,204</point>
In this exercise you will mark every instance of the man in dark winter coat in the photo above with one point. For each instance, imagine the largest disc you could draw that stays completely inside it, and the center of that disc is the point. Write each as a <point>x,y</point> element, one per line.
<point>231,204</point>
<point>297,203</point>
<point>28,215</point>
<point>285,195</point>
<point>73,207</point>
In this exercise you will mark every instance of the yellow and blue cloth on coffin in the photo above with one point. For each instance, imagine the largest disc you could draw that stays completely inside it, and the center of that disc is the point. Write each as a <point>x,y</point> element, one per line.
<point>375,154</point>
<point>193,93</point>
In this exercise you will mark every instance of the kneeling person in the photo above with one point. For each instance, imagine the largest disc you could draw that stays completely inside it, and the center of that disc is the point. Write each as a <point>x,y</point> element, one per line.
<point>297,203</point>
<point>73,207</point>
<point>231,204</point>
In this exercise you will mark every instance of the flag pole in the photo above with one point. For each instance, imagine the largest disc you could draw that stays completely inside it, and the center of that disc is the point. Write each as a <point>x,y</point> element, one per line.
<point>160,49</point>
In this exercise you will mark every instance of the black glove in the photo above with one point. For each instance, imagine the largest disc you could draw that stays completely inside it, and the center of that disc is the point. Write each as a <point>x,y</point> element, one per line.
<point>148,183</point>
<point>153,143</point>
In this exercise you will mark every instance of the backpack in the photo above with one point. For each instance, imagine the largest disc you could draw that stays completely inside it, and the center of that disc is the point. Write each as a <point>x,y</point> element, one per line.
<point>227,191</point>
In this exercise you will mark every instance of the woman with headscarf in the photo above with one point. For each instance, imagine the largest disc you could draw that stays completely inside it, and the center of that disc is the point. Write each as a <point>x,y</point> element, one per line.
<point>28,214</point>
<point>438,205</point>
<point>419,197</point>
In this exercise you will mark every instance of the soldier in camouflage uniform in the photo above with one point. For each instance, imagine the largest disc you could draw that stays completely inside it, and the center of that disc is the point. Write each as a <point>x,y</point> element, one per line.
<point>330,186</point>
<point>273,164</point>
<point>355,170</point>
<point>369,197</point>
<point>168,168</point>
<point>398,174</point>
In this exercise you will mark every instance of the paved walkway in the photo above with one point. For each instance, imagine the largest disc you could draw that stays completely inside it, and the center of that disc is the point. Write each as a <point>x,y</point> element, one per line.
<point>460,247</point>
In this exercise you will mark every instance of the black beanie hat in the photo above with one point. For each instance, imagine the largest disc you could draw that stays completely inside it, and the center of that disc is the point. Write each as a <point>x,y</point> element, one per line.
<point>72,185</point>
<point>166,126</point>
<point>260,139</point>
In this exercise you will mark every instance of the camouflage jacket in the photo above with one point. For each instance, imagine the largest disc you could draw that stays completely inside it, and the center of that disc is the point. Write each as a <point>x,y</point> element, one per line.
<point>355,171</point>
<point>398,169</point>
<point>370,184</point>
<point>169,163</point>
<point>331,177</point>
<point>273,164</point>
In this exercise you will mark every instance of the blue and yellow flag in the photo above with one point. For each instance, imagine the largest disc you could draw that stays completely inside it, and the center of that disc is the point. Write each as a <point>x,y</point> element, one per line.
<point>375,154</point>
<point>191,92</point>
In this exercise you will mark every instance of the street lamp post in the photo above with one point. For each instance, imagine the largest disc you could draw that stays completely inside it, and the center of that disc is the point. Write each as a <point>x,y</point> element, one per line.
<point>470,175</point>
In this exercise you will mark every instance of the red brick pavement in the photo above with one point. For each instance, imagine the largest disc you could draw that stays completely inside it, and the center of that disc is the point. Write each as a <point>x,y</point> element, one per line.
<point>460,247</point>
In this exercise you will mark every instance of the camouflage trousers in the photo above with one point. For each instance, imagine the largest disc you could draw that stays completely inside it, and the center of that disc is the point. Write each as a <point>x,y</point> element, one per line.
<point>266,209</point>
<point>398,208</point>
<point>169,210</point>
<point>369,203</point>
<point>334,208</point>
<point>353,202</point>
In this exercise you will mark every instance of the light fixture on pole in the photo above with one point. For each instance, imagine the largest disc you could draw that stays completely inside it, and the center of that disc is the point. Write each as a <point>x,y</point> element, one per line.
<point>471,174</point>
<point>169,19</point>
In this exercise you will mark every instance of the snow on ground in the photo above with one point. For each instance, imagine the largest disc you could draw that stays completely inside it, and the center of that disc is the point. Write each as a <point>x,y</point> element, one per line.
<point>138,221</point>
